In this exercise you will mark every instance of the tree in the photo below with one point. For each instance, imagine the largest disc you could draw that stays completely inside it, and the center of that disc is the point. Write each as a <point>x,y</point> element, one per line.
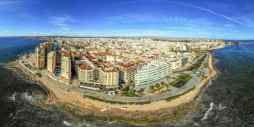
<point>163,83</point>
<point>157,85</point>
<point>141,91</point>
<point>39,74</point>
<point>151,87</point>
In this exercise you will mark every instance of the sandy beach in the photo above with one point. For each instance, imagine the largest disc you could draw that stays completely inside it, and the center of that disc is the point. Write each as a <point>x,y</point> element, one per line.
<point>57,95</point>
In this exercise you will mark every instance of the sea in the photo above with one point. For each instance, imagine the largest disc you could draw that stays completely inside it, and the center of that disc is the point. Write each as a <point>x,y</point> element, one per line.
<point>227,100</point>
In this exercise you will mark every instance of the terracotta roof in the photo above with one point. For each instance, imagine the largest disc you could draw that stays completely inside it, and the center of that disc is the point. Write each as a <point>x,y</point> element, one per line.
<point>113,70</point>
<point>92,57</point>
<point>126,65</point>
<point>102,53</point>
<point>75,53</point>
<point>82,58</point>
<point>66,55</point>
<point>86,67</point>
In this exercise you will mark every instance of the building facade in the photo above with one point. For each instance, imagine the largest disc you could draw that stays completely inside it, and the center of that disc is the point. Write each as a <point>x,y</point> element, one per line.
<point>66,66</point>
<point>51,62</point>
<point>85,74</point>
<point>40,57</point>
<point>109,77</point>
<point>152,72</point>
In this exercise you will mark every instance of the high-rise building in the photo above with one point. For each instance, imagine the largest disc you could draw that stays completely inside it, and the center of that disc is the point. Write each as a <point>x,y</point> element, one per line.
<point>109,77</point>
<point>184,61</point>
<point>41,54</point>
<point>48,48</point>
<point>152,72</point>
<point>51,62</point>
<point>127,71</point>
<point>40,57</point>
<point>66,66</point>
<point>86,73</point>
<point>58,57</point>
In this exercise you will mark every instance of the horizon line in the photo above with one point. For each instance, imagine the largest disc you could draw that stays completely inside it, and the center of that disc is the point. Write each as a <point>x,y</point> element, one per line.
<point>114,37</point>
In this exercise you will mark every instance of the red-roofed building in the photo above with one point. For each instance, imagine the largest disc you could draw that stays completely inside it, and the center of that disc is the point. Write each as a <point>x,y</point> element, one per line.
<point>127,71</point>
<point>86,73</point>
<point>109,77</point>
<point>66,66</point>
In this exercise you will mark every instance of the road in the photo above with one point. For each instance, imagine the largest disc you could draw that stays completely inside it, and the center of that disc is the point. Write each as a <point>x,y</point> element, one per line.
<point>174,90</point>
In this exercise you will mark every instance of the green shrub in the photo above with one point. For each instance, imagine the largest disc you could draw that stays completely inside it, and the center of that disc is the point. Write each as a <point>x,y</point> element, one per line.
<point>157,85</point>
<point>142,103</point>
<point>163,83</point>
<point>39,74</point>
<point>151,88</point>
<point>129,94</point>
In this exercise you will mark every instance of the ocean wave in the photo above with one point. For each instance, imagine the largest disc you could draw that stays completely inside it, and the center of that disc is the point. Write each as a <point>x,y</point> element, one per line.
<point>28,97</point>
<point>209,83</point>
<point>208,111</point>
<point>221,107</point>
<point>67,123</point>
<point>13,96</point>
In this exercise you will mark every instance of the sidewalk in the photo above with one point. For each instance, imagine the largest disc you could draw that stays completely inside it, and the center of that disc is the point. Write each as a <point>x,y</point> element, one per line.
<point>174,91</point>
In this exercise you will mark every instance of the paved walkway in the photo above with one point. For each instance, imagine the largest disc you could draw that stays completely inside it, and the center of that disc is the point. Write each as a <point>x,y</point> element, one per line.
<point>189,66</point>
<point>174,90</point>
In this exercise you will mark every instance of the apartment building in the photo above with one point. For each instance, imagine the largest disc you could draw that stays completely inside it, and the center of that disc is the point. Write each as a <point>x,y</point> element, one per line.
<point>152,72</point>
<point>127,71</point>
<point>40,57</point>
<point>109,77</point>
<point>66,66</point>
<point>86,73</point>
<point>51,62</point>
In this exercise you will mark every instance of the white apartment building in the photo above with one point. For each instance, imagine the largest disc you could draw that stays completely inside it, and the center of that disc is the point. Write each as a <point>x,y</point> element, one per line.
<point>152,72</point>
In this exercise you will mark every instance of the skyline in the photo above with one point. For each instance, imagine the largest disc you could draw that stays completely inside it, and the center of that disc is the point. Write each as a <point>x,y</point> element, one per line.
<point>136,18</point>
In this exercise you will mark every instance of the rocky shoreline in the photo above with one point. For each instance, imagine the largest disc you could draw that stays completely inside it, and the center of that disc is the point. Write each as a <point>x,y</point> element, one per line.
<point>92,112</point>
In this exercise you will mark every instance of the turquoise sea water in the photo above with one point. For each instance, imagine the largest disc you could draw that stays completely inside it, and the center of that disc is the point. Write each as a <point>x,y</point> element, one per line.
<point>228,100</point>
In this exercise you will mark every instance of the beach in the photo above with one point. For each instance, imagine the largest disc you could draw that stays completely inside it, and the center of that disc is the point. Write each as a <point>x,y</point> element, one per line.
<point>57,95</point>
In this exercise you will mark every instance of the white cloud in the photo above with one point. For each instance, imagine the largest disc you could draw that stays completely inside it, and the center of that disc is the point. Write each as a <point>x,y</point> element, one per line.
<point>6,3</point>
<point>62,21</point>
<point>14,2</point>
<point>135,18</point>
<point>26,16</point>
<point>228,25</point>
<point>246,20</point>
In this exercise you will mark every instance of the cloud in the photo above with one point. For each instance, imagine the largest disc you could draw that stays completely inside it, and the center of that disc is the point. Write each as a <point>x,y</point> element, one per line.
<point>6,3</point>
<point>62,21</point>
<point>26,16</point>
<point>15,5</point>
<point>14,2</point>
<point>228,25</point>
<point>135,18</point>
<point>247,19</point>
<point>244,21</point>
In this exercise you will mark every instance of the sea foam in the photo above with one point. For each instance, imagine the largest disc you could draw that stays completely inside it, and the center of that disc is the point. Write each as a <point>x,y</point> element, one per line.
<point>66,123</point>
<point>13,96</point>
<point>207,112</point>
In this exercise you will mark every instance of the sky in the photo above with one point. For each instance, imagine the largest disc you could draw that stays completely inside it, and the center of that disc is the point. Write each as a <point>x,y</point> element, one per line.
<point>207,19</point>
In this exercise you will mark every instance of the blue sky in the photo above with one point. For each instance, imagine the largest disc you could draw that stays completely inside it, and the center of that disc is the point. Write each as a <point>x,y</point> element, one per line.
<point>215,19</point>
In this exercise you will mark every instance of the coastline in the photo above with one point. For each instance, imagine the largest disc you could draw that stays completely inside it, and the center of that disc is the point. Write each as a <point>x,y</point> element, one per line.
<point>132,113</point>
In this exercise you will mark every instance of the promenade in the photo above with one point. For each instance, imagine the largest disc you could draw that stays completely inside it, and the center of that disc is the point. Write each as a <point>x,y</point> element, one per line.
<point>73,87</point>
